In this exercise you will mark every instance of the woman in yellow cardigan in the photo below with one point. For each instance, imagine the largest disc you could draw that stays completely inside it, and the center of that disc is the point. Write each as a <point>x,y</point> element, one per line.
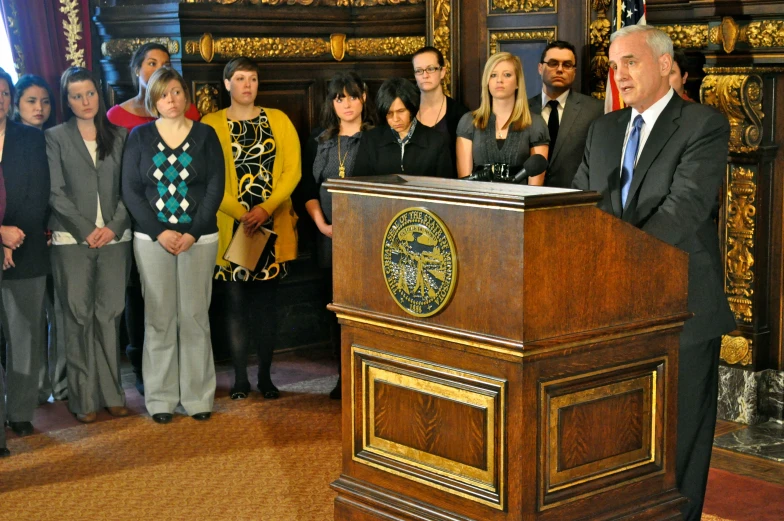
<point>262,157</point>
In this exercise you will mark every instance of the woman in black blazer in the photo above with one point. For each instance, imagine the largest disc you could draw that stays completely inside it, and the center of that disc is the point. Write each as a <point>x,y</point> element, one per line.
<point>25,259</point>
<point>402,146</point>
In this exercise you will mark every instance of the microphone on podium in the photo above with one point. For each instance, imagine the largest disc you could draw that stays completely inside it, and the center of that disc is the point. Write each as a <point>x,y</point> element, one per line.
<point>533,166</point>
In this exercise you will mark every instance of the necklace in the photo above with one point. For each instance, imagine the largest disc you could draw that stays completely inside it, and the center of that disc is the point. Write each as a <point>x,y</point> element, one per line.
<point>438,116</point>
<point>342,167</point>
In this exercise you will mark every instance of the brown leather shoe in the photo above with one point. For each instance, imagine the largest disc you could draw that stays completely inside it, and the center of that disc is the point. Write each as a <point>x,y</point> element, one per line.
<point>118,411</point>
<point>86,418</point>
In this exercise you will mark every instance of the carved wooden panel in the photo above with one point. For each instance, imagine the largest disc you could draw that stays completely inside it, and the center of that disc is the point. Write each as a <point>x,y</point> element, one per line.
<point>435,425</point>
<point>599,428</point>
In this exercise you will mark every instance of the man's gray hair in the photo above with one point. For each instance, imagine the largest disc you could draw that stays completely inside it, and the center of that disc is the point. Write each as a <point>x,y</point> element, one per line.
<point>659,42</point>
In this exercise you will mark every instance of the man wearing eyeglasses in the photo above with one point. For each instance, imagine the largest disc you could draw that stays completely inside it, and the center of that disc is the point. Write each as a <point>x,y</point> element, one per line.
<point>568,114</point>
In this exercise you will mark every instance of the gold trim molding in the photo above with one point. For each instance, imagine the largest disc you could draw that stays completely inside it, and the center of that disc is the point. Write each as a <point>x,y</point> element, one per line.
<point>522,6</point>
<point>739,97</point>
<point>757,35</point>
<point>739,240</point>
<point>497,37</point>
<point>736,350</point>
<point>11,20</point>
<point>122,47</point>
<point>72,29</point>
<point>599,36</point>
<point>687,36</point>
<point>380,47</point>
<point>309,3</point>
<point>338,46</point>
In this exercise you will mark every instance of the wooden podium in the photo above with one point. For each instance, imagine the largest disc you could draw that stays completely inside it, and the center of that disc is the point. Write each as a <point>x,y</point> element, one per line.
<point>509,352</point>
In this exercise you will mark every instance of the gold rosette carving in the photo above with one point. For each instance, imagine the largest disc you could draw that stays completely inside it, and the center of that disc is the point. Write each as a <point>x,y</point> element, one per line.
<point>206,95</point>
<point>765,33</point>
<point>736,350</point>
<point>687,36</point>
<point>328,3</point>
<point>741,213</point>
<point>379,47</point>
<point>739,97</point>
<point>121,47</point>
<point>512,36</point>
<point>258,48</point>
<point>525,6</point>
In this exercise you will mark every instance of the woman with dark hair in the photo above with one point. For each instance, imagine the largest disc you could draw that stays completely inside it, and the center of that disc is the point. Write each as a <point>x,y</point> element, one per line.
<point>34,102</point>
<point>147,59</point>
<point>172,185</point>
<point>91,238</point>
<point>261,161</point>
<point>402,146</point>
<point>436,109</point>
<point>502,130</point>
<point>35,105</point>
<point>4,452</point>
<point>25,259</point>
<point>337,150</point>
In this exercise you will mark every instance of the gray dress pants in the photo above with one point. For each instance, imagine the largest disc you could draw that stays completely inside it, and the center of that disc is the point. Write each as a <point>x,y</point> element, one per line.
<point>22,316</point>
<point>91,286</point>
<point>177,362</point>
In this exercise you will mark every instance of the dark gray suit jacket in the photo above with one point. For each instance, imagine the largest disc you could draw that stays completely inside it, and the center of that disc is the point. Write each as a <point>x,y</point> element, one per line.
<point>579,112</point>
<point>673,196</point>
<point>75,181</point>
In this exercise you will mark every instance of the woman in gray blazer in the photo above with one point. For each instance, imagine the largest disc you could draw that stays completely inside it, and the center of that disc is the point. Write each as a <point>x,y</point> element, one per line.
<point>91,244</point>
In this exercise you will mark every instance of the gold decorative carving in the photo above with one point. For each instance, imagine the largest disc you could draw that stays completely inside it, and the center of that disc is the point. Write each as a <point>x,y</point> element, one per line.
<point>328,3</point>
<point>739,241</point>
<point>512,36</point>
<point>206,96</point>
<point>337,45</point>
<point>599,33</point>
<point>255,48</point>
<point>526,6</point>
<point>687,36</point>
<point>728,33</point>
<point>743,70</point>
<point>736,350</point>
<point>379,47</point>
<point>441,17</point>
<point>765,33</point>
<point>13,29</point>
<point>72,28</point>
<point>121,47</point>
<point>739,97</point>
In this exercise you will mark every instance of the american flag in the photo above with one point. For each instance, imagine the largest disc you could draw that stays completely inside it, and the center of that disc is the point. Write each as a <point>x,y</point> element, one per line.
<point>624,12</point>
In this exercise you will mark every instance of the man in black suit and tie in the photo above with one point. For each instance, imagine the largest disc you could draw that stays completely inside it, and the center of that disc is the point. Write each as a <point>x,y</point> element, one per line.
<point>574,112</point>
<point>659,164</point>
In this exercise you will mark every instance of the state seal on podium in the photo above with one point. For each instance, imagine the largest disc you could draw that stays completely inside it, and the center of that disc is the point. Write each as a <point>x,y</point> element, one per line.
<point>419,262</point>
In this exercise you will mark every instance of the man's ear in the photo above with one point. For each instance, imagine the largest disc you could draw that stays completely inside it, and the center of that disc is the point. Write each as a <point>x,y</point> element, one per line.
<point>665,64</point>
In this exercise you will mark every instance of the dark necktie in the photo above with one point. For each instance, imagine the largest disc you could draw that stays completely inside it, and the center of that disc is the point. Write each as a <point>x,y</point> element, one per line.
<point>629,158</point>
<point>553,123</point>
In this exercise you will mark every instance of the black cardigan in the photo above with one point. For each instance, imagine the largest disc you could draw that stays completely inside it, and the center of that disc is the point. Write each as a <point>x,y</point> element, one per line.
<point>427,153</point>
<point>26,173</point>
<point>205,184</point>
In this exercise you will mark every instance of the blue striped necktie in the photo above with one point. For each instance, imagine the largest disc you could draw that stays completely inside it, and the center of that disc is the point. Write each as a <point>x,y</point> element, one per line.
<point>629,158</point>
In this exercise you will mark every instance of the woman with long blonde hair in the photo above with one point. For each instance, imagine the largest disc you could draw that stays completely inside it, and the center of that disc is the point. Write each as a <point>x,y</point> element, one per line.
<point>502,129</point>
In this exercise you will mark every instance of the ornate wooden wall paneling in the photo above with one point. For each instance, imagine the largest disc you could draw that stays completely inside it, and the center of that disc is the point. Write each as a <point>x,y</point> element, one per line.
<point>522,27</point>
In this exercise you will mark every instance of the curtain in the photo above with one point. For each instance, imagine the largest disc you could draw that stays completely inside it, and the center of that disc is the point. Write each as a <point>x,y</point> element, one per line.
<point>48,36</point>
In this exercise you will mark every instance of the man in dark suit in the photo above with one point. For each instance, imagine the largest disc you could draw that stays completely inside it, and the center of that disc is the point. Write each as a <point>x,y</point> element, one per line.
<point>568,124</point>
<point>659,164</point>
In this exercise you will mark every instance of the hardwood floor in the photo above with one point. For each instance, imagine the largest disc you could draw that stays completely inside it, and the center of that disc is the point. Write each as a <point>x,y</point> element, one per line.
<point>744,464</point>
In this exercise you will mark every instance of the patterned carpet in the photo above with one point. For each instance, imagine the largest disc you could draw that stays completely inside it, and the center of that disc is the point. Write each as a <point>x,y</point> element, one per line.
<point>254,460</point>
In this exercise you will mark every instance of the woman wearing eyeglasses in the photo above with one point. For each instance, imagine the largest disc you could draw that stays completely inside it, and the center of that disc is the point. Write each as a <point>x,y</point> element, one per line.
<point>502,129</point>
<point>436,109</point>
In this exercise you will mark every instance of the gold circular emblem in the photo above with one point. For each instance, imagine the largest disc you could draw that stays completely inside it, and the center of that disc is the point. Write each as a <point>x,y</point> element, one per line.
<point>419,262</point>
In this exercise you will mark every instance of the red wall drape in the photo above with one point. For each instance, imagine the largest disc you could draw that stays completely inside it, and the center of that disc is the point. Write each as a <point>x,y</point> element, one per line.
<point>48,36</point>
